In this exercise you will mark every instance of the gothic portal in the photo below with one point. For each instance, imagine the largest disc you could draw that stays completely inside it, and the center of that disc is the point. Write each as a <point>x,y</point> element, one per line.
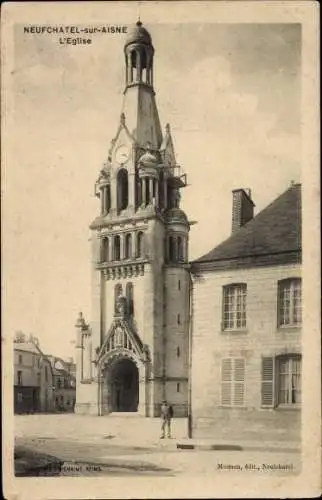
<point>134,352</point>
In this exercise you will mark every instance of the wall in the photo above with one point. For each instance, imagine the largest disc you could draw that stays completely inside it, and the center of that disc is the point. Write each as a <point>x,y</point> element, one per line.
<point>177,336</point>
<point>261,338</point>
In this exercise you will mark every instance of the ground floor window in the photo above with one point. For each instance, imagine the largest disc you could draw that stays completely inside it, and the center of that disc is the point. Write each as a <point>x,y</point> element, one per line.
<point>233,382</point>
<point>281,380</point>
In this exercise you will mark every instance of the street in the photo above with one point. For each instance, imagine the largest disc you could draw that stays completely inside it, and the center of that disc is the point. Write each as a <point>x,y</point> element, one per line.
<point>130,445</point>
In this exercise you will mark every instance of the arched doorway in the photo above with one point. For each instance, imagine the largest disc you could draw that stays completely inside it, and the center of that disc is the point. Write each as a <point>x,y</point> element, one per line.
<point>124,386</point>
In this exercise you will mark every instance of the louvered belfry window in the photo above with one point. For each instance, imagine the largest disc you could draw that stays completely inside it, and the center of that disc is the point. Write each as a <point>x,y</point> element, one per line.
<point>234,306</point>
<point>233,382</point>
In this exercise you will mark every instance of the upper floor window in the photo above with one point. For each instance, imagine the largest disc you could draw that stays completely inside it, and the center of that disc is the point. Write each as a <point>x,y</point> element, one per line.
<point>180,249</point>
<point>233,382</point>
<point>105,250</point>
<point>46,373</point>
<point>140,244</point>
<point>234,307</point>
<point>20,359</point>
<point>289,302</point>
<point>19,377</point>
<point>281,380</point>
<point>117,293</point>
<point>128,246</point>
<point>172,249</point>
<point>129,298</point>
<point>117,248</point>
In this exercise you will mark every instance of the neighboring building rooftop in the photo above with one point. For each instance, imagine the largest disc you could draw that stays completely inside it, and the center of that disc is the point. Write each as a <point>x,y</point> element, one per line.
<point>26,347</point>
<point>271,237</point>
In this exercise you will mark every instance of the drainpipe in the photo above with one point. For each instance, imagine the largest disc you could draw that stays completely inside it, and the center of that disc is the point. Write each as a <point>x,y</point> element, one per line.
<point>190,353</point>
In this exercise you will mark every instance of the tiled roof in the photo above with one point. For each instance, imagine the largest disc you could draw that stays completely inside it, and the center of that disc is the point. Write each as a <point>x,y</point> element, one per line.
<point>275,230</point>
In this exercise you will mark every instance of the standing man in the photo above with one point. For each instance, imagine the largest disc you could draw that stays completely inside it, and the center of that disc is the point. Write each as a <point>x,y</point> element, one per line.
<point>166,416</point>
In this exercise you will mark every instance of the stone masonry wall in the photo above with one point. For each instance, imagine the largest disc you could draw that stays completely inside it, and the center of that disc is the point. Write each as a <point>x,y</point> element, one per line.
<point>262,337</point>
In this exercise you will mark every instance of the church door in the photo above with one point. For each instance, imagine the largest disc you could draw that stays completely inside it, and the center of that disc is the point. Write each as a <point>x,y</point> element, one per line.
<point>124,380</point>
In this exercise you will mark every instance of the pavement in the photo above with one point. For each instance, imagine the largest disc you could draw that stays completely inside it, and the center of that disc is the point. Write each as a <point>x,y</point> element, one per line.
<point>127,445</point>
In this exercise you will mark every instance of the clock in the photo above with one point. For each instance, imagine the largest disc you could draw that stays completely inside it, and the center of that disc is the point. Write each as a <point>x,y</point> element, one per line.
<point>122,154</point>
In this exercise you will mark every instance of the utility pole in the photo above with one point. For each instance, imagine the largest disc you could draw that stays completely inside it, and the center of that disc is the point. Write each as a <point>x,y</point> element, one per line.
<point>190,354</point>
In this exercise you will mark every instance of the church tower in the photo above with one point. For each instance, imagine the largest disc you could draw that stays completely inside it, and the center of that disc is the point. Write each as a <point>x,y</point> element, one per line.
<point>134,352</point>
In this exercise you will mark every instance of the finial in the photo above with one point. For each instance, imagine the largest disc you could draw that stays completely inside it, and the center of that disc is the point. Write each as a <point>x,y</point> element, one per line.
<point>138,22</point>
<point>80,320</point>
<point>122,119</point>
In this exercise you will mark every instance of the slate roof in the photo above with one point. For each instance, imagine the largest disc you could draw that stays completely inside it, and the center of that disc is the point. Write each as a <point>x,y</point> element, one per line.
<point>272,236</point>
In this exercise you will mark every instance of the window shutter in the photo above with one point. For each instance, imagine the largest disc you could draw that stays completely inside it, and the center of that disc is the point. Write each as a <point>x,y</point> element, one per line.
<point>239,378</point>
<point>226,381</point>
<point>267,381</point>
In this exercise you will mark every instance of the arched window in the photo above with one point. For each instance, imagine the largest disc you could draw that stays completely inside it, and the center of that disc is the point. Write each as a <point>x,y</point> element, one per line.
<point>117,248</point>
<point>172,249</point>
<point>122,189</point>
<point>105,250</point>
<point>128,246</point>
<point>117,294</point>
<point>140,244</point>
<point>130,299</point>
<point>107,201</point>
<point>180,249</point>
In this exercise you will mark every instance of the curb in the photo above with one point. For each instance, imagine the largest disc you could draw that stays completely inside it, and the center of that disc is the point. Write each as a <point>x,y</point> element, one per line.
<point>209,447</point>
<point>232,447</point>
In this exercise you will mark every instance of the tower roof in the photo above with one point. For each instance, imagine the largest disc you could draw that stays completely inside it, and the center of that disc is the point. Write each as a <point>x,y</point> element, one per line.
<point>138,34</point>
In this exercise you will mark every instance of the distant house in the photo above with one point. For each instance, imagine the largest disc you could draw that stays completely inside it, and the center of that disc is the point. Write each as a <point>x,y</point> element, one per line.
<point>33,377</point>
<point>246,353</point>
<point>64,383</point>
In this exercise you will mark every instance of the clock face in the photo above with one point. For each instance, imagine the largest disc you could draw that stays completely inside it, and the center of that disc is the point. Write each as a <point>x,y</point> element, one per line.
<point>122,154</point>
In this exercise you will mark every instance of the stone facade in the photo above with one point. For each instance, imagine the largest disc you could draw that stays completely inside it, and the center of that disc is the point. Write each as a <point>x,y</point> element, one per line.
<point>262,338</point>
<point>33,378</point>
<point>133,353</point>
<point>246,329</point>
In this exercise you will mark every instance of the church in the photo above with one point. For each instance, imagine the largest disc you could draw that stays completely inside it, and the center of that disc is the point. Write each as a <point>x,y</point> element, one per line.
<point>218,338</point>
<point>134,352</point>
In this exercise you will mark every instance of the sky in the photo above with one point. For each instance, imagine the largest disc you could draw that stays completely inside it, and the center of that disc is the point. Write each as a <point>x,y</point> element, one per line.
<point>232,96</point>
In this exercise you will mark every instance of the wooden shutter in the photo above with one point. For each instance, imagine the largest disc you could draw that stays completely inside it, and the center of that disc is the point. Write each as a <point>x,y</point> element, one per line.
<point>268,382</point>
<point>239,382</point>
<point>226,382</point>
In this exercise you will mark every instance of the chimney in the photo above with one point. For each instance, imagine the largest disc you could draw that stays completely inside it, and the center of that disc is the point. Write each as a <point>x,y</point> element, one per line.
<point>243,208</point>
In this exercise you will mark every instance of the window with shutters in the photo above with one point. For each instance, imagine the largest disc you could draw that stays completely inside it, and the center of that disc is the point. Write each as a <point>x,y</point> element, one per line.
<point>234,307</point>
<point>289,302</point>
<point>233,382</point>
<point>281,381</point>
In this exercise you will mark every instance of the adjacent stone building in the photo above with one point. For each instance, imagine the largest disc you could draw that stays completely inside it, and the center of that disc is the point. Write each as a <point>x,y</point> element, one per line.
<point>64,382</point>
<point>33,377</point>
<point>246,328</point>
<point>134,352</point>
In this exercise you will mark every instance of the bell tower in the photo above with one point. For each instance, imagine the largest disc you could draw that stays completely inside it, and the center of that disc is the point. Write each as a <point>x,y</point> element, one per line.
<point>135,348</point>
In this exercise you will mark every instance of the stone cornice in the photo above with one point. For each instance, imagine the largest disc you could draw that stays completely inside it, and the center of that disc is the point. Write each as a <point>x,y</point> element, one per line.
<point>141,215</point>
<point>249,261</point>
